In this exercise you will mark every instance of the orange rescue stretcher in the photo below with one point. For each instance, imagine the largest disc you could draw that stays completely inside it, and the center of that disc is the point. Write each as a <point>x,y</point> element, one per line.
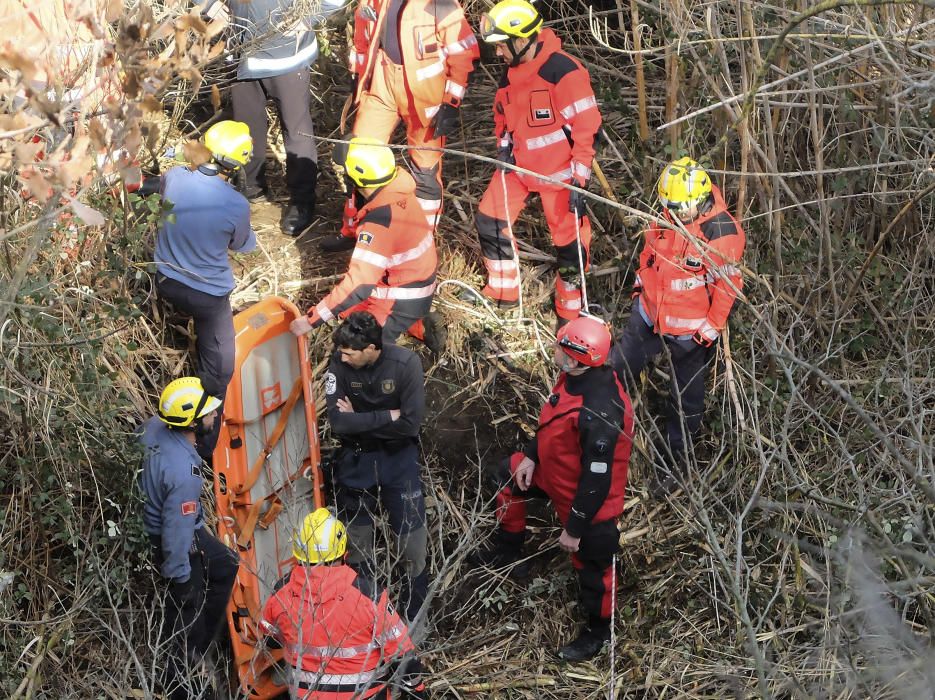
<point>266,477</point>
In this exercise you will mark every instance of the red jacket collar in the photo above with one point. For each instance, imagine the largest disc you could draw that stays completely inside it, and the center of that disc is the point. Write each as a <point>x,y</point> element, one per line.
<point>547,45</point>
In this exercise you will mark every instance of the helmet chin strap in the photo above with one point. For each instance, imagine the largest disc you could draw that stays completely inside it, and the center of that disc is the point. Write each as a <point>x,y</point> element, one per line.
<point>518,56</point>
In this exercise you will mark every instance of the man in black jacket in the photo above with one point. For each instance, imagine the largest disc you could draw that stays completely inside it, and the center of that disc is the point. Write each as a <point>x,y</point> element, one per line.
<point>376,400</point>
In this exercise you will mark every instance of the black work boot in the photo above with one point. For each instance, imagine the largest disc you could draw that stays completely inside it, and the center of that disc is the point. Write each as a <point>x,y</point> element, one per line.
<point>505,549</point>
<point>297,218</point>
<point>434,332</point>
<point>256,194</point>
<point>337,243</point>
<point>588,644</point>
<point>476,298</point>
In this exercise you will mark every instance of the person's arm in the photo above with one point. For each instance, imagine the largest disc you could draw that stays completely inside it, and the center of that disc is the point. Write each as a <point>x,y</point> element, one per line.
<point>343,422</point>
<point>576,102</point>
<point>179,516</point>
<point>460,50</point>
<point>411,403</point>
<point>243,239</point>
<point>722,258</point>
<point>599,430</point>
<point>366,269</point>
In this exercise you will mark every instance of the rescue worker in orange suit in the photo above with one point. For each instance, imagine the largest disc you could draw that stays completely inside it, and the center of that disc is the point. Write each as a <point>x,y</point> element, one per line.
<point>685,289</point>
<point>342,639</point>
<point>392,270</point>
<point>546,120</point>
<point>410,61</point>
<point>578,460</point>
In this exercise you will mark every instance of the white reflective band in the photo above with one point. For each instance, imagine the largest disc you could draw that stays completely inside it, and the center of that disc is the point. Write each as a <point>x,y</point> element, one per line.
<point>582,171</point>
<point>561,174</point>
<point>430,204</point>
<point>457,47</point>
<point>501,265</point>
<point>430,111</point>
<point>403,292</point>
<point>454,89</point>
<point>582,105</point>
<point>693,323</point>
<point>637,282</point>
<point>324,312</point>
<point>726,270</point>
<point>350,652</point>
<point>264,64</point>
<point>312,678</point>
<point>431,71</point>
<point>503,282</point>
<point>570,303</point>
<point>566,286</point>
<point>413,253</point>
<point>686,285</point>
<point>547,140</point>
<point>361,57</point>
<point>506,142</point>
<point>371,258</point>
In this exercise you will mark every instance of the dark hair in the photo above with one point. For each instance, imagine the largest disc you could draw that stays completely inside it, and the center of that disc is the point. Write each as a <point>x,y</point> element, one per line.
<point>359,330</point>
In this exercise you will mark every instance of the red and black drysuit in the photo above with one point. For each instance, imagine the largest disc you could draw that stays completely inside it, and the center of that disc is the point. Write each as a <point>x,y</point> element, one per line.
<point>581,451</point>
<point>546,116</point>
<point>392,269</point>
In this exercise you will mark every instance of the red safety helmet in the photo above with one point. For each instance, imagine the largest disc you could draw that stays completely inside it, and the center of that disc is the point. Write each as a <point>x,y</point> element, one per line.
<point>585,339</point>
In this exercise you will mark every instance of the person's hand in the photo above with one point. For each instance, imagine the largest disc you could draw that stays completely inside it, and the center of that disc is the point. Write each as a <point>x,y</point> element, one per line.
<point>567,542</point>
<point>300,326</point>
<point>344,406</point>
<point>505,155</point>
<point>395,414</point>
<point>446,121</point>
<point>577,203</point>
<point>523,473</point>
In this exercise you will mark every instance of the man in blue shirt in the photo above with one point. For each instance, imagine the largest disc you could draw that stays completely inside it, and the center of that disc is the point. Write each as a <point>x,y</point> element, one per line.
<point>198,569</point>
<point>207,219</point>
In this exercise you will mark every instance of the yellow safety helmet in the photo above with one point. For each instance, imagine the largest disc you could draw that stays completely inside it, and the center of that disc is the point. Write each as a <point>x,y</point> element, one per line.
<point>683,184</point>
<point>367,162</point>
<point>510,18</point>
<point>230,144</point>
<point>322,538</point>
<point>184,401</point>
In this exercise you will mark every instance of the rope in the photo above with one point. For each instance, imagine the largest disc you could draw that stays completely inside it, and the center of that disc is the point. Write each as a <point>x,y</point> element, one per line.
<point>584,284</point>
<point>613,619</point>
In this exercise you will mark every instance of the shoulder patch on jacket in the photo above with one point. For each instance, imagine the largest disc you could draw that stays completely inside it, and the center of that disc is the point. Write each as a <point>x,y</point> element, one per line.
<point>381,216</point>
<point>189,508</point>
<point>365,237</point>
<point>721,225</point>
<point>557,67</point>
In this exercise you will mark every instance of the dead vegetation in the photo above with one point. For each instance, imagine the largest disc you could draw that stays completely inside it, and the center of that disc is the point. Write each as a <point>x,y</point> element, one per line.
<point>798,561</point>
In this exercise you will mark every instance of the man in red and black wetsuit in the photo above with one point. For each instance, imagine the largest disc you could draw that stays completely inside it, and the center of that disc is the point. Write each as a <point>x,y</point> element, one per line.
<point>578,460</point>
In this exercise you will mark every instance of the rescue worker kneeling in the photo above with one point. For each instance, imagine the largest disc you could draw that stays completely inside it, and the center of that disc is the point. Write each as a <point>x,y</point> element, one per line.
<point>393,267</point>
<point>578,460</point>
<point>342,639</point>
<point>546,120</point>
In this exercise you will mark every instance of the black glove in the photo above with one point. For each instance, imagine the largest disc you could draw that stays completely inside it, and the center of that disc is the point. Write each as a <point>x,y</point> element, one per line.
<point>446,121</point>
<point>150,186</point>
<point>505,155</point>
<point>183,592</point>
<point>577,202</point>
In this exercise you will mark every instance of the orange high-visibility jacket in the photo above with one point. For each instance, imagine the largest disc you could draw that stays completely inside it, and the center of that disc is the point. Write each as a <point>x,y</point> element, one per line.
<point>438,48</point>
<point>395,254</point>
<point>333,634</point>
<point>547,111</point>
<point>689,283</point>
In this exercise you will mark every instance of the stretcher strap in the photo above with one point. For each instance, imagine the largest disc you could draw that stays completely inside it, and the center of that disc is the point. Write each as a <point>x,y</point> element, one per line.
<point>271,441</point>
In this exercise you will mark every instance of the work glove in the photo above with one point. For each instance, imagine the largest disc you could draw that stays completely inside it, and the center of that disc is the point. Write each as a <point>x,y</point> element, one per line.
<point>183,592</point>
<point>706,336</point>
<point>577,202</point>
<point>445,122</point>
<point>505,155</point>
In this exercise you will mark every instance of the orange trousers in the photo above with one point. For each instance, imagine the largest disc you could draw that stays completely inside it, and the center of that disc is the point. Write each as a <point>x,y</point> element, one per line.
<point>381,108</point>
<point>503,201</point>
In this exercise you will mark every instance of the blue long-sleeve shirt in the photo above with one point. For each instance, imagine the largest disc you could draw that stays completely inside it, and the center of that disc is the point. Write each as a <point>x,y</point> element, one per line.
<point>208,217</point>
<point>171,483</point>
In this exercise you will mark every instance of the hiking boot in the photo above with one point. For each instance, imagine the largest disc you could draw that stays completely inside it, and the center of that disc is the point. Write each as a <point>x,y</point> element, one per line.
<point>503,551</point>
<point>435,332</point>
<point>337,244</point>
<point>296,219</point>
<point>588,644</point>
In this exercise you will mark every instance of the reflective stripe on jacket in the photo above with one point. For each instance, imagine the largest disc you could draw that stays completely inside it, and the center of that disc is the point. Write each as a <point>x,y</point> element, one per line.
<point>582,447</point>
<point>334,635</point>
<point>547,110</point>
<point>395,255</point>
<point>689,283</point>
<point>437,44</point>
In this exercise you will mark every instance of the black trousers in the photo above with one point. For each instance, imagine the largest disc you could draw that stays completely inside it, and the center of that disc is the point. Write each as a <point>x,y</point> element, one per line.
<point>290,94</point>
<point>689,365</point>
<point>191,621</point>
<point>214,342</point>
